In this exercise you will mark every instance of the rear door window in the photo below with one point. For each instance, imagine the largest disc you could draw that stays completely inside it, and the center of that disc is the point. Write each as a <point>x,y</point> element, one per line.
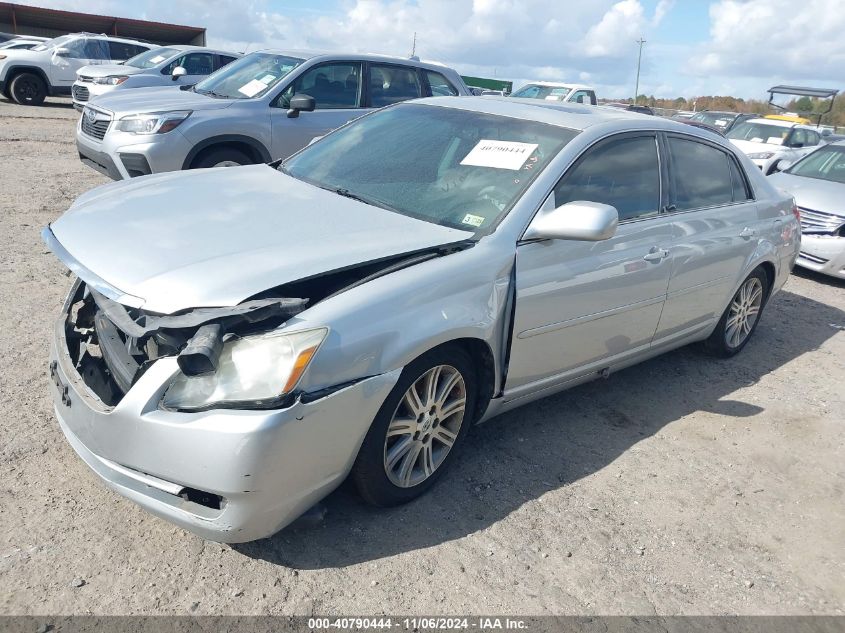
<point>391,84</point>
<point>701,174</point>
<point>440,86</point>
<point>222,60</point>
<point>622,172</point>
<point>121,51</point>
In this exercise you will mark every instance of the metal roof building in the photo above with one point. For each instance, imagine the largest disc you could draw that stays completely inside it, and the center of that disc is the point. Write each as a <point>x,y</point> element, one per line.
<point>21,19</point>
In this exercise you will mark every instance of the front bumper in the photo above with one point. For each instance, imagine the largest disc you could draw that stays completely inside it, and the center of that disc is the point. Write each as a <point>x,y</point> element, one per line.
<point>121,156</point>
<point>267,467</point>
<point>823,254</point>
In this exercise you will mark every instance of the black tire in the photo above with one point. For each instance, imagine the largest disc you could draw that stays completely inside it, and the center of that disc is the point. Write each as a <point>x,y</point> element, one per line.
<point>28,89</point>
<point>369,471</point>
<point>718,343</point>
<point>214,157</point>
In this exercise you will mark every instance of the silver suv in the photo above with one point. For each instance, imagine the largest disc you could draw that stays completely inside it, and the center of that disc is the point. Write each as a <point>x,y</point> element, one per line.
<point>162,66</point>
<point>262,107</point>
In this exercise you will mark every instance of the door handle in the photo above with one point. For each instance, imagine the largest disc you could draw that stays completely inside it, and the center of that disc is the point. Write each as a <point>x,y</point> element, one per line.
<point>656,254</point>
<point>747,233</point>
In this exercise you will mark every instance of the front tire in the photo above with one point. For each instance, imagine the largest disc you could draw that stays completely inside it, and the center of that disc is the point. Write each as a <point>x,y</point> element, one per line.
<point>741,317</point>
<point>223,157</point>
<point>28,89</point>
<point>417,431</point>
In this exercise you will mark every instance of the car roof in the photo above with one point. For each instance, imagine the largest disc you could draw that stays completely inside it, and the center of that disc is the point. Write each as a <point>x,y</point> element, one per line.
<point>189,47</point>
<point>572,116</point>
<point>779,123</point>
<point>557,84</point>
<point>370,57</point>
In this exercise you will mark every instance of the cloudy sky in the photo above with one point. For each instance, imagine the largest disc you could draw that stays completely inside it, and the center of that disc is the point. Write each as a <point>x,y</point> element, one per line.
<point>694,47</point>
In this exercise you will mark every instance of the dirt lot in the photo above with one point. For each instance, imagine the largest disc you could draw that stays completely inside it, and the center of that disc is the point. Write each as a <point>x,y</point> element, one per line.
<point>686,485</point>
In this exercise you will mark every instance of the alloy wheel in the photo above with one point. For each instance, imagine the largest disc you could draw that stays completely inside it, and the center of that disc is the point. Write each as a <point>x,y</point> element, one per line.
<point>425,426</point>
<point>744,312</point>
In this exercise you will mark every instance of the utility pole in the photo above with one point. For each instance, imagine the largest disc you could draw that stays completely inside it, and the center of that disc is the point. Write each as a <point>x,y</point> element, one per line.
<point>640,41</point>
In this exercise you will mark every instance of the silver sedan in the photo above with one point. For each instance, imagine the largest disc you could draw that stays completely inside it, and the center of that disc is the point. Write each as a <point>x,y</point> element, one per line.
<point>818,184</point>
<point>240,341</point>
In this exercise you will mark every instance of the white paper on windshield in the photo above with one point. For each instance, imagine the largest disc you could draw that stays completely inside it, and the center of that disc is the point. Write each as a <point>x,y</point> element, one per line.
<point>157,59</point>
<point>499,154</point>
<point>252,88</point>
<point>721,122</point>
<point>774,140</point>
<point>473,220</point>
<point>266,79</point>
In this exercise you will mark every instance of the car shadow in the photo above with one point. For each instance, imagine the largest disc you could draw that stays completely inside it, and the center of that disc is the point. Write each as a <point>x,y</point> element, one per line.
<point>519,456</point>
<point>827,280</point>
<point>60,104</point>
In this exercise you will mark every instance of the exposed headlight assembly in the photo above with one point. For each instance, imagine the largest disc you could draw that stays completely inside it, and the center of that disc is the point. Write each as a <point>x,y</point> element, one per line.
<point>761,155</point>
<point>153,123</point>
<point>253,372</point>
<point>111,81</point>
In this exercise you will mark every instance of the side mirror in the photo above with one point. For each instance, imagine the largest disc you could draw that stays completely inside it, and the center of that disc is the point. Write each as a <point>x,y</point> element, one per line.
<point>62,52</point>
<point>796,145</point>
<point>783,164</point>
<point>578,220</point>
<point>579,99</point>
<point>476,92</point>
<point>179,71</point>
<point>301,103</point>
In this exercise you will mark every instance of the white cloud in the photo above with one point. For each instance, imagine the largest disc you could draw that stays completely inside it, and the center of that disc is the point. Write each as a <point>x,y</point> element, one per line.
<point>775,39</point>
<point>532,39</point>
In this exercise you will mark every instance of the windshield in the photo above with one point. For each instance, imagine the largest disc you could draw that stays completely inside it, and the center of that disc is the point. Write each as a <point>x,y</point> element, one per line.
<point>248,77</point>
<point>759,133</point>
<point>54,43</point>
<point>717,119</point>
<point>451,167</point>
<point>150,58</point>
<point>534,91</point>
<point>827,163</point>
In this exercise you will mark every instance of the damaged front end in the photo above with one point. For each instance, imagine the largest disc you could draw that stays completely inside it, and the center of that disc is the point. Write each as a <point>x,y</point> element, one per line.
<point>112,345</point>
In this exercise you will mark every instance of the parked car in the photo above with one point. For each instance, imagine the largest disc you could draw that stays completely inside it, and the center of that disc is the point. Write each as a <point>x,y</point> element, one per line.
<point>262,107</point>
<point>422,268</point>
<point>22,43</point>
<point>48,69</point>
<point>162,66</point>
<point>767,141</point>
<point>702,126</point>
<point>552,91</point>
<point>817,182</point>
<point>631,107</point>
<point>724,121</point>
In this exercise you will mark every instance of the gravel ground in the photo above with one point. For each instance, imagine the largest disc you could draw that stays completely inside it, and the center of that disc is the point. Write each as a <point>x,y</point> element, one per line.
<point>685,485</point>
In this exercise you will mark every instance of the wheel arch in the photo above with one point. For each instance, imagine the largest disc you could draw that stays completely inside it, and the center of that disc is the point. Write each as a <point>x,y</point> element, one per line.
<point>250,146</point>
<point>14,71</point>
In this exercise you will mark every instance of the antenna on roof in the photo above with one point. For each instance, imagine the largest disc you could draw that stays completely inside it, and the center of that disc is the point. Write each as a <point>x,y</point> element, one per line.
<point>413,54</point>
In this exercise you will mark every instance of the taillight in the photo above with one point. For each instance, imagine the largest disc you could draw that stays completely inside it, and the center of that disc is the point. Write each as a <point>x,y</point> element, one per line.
<point>796,211</point>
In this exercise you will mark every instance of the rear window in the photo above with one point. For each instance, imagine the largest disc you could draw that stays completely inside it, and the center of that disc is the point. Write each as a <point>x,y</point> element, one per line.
<point>702,175</point>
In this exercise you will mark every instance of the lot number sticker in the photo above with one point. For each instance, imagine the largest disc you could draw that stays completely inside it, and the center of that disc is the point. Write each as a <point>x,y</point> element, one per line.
<point>252,88</point>
<point>499,154</point>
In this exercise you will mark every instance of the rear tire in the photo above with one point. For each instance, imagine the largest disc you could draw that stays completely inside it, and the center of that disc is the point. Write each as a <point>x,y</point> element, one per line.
<point>222,157</point>
<point>28,89</point>
<point>741,317</point>
<point>413,440</point>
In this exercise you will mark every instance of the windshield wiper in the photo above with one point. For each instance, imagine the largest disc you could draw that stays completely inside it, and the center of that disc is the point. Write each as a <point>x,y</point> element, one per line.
<point>354,196</point>
<point>210,93</point>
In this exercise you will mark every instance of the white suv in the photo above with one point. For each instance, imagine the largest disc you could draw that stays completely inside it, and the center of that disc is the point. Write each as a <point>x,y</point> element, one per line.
<point>553,91</point>
<point>768,141</point>
<point>49,69</point>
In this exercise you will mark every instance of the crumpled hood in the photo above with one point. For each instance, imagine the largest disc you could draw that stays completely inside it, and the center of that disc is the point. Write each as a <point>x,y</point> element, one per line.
<point>215,237</point>
<point>157,99</point>
<point>812,193</point>
<point>750,147</point>
<point>107,70</point>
